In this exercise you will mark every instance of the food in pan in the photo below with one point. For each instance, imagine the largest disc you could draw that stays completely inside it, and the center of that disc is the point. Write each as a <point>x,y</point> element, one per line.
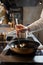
<point>25,47</point>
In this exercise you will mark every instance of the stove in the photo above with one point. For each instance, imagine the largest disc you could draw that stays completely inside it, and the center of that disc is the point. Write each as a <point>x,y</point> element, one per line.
<point>31,38</point>
<point>36,57</point>
<point>11,53</point>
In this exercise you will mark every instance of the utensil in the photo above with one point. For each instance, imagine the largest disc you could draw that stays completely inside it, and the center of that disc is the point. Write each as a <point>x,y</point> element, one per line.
<point>17,35</point>
<point>25,47</point>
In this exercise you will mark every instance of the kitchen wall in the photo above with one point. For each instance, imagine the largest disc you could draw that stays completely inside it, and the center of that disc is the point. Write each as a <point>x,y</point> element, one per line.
<point>31,14</point>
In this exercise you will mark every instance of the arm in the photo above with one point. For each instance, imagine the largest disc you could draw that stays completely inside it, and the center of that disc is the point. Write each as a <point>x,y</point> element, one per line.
<point>37,25</point>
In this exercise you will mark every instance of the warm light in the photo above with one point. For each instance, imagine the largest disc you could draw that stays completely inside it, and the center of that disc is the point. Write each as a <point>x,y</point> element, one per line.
<point>1,22</point>
<point>40,2</point>
<point>9,23</point>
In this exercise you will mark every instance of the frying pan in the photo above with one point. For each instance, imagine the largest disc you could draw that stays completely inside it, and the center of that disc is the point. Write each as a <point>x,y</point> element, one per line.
<point>24,46</point>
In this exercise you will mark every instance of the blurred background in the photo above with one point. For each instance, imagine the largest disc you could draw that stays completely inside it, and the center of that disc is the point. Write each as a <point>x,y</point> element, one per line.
<point>26,11</point>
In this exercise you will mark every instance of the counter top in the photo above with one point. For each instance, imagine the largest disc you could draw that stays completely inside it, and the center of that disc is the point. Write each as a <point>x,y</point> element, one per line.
<point>35,59</point>
<point>6,29</point>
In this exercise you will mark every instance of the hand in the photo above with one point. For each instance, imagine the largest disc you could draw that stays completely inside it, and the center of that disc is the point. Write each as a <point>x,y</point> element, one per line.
<point>20,28</point>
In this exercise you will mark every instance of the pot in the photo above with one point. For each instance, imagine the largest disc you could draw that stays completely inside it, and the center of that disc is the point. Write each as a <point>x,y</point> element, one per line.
<point>24,46</point>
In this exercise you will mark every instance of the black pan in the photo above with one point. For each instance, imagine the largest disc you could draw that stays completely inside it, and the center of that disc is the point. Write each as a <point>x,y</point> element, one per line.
<point>24,46</point>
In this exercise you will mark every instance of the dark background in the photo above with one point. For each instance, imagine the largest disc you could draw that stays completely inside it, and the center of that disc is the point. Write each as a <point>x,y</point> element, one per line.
<point>20,3</point>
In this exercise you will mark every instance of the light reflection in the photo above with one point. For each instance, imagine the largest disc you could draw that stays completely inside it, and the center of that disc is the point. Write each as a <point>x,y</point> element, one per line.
<point>38,59</point>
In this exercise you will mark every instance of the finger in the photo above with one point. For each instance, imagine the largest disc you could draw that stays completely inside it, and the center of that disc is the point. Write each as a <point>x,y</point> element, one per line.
<point>20,26</point>
<point>22,30</point>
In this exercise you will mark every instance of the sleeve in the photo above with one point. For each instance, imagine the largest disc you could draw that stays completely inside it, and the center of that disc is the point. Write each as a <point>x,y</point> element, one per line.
<point>37,25</point>
<point>41,14</point>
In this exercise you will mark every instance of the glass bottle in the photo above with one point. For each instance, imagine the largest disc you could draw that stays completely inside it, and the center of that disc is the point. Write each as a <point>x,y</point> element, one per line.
<point>13,21</point>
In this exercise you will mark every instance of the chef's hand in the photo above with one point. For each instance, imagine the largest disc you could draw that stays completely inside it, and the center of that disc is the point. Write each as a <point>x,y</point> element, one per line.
<point>21,28</point>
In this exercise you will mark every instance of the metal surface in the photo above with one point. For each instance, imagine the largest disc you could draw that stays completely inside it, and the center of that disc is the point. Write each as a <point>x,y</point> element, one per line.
<point>7,47</point>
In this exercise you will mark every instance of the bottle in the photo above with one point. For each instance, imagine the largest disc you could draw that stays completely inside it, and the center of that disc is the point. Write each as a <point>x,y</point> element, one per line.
<point>13,22</point>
